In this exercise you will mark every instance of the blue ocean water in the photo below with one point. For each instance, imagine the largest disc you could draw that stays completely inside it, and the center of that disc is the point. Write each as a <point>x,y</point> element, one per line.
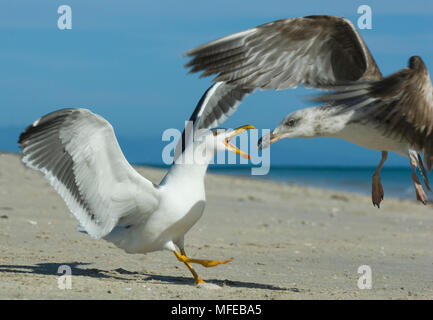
<point>396,181</point>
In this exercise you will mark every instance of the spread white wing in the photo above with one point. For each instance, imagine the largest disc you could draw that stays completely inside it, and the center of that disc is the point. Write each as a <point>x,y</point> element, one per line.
<point>79,154</point>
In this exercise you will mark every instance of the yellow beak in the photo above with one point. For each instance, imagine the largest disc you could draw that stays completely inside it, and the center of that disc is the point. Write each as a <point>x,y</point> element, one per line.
<point>231,147</point>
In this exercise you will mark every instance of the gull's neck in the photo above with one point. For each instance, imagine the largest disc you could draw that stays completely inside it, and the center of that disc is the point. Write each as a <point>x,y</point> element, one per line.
<point>329,121</point>
<point>191,166</point>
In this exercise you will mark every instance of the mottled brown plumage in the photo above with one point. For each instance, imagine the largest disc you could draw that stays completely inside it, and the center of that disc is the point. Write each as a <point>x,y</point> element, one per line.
<point>325,52</point>
<point>401,105</point>
<point>317,51</point>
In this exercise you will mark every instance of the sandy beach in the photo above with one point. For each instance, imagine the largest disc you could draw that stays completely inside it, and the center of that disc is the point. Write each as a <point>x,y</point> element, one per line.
<point>288,242</point>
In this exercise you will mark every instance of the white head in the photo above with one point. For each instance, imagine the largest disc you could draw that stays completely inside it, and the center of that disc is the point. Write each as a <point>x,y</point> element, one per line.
<point>304,123</point>
<point>209,142</point>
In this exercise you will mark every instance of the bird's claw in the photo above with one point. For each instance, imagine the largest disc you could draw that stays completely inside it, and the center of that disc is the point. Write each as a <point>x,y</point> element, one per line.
<point>420,194</point>
<point>377,191</point>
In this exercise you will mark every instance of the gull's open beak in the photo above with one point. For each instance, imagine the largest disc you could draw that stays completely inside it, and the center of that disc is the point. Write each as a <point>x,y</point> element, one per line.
<point>235,133</point>
<point>269,139</point>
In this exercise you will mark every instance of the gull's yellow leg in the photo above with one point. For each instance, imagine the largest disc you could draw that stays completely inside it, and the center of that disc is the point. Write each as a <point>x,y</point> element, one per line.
<point>205,263</point>
<point>191,269</point>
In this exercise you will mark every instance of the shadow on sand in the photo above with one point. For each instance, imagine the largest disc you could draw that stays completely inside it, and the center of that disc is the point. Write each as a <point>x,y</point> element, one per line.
<point>125,275</point>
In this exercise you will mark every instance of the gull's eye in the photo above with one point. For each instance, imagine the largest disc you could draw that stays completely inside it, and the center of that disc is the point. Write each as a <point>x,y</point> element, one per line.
<point>291,122</point>
<point>215,133</point>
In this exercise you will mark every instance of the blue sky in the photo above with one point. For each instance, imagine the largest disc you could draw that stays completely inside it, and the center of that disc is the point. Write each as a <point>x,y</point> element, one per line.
<point>123,60</point>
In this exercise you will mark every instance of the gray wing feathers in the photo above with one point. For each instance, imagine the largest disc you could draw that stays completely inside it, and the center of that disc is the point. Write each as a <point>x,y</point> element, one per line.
<point>216,105</point>
<point>79,154</point>
<point>317,51</point>
<point>220,103</point>
<point>43,150</point>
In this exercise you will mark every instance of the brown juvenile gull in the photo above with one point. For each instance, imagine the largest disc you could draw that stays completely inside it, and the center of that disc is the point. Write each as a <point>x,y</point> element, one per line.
<point>78,152</point>
<point>392,114</point>
<point>315,51</point>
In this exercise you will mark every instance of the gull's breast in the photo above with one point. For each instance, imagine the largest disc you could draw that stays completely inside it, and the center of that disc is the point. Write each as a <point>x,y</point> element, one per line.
<point>372,137</point>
